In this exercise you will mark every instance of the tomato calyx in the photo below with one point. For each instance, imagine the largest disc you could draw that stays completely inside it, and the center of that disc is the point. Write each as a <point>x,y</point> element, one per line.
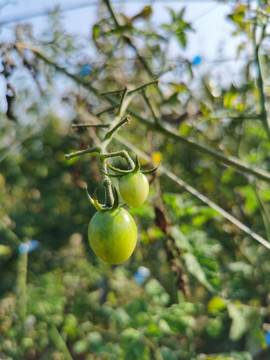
<point>101,207</point>
<point>119,172</point>
<point>125,176</point>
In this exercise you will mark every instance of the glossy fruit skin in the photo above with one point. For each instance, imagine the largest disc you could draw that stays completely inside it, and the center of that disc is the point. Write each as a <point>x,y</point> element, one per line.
<point>112,235</point>
<point>134,189</point>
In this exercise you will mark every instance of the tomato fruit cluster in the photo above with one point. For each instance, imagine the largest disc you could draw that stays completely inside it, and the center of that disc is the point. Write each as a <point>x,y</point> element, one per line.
<point>112,232</point>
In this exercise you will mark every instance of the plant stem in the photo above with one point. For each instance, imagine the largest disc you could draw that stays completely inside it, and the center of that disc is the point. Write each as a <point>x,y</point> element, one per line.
<point>21,285</point>
<point>107,2</point>
<point>109,198</point>
<point>127,40</point>
<point>143,87</point>
<point>114,92</point>
<point>82,126</point>
<point>122,105</point>
<point>123,153</point>
<point>151,107</point>
<point>21,292</point>
<point>110,108</point>
<point>59,343</point>
<point>110,133</point>
<point>94,149</point>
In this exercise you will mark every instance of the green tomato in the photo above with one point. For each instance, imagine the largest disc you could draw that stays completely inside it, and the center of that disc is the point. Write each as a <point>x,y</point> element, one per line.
<point>112,235</point>
<point>134,189</point>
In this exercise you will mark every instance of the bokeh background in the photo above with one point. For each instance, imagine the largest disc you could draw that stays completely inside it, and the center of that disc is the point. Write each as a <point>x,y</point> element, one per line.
<point>197,285</point>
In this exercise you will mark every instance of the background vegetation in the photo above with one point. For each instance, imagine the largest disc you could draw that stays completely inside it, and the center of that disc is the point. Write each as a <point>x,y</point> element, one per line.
<point>197,286</point>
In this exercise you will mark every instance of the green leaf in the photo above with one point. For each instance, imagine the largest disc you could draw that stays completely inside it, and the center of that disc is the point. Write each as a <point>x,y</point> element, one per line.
<point>241,267</point>
<point>178,316</point>
<point>179,324</point>
<point>96,31</point>
<point>80,347</point>
<point>251,200</point>
<point>157,292</point>
<point>195,269</point>
<point>229,99</point>
<point>173,14</point>
<point>121,317</point>
<point>172,100</point>
<point>181,37</point>
<point>238,15</point>
<point>181,240</point>
<point>138,305</point>
<point>214,327</point>
<point>153,331</point>
<point>128,335</point>
<point>133,347</point>
<point>205,109</point>
<point>144,211</point>
<point>238,326</point>
<point>168,354</point>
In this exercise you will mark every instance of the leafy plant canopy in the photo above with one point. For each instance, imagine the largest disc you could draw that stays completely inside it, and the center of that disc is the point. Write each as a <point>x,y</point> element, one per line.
<point>166,255</point>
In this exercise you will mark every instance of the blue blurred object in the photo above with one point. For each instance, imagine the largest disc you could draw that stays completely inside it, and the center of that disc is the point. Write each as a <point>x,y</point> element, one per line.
<point>197,60</point>
<point>28,247</point>
<point>85,70</point>
<point>267,337</point>
<point>141,275</point>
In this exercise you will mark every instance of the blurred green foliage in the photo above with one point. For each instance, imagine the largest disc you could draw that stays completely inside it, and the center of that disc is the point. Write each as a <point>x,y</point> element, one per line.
<point>60,301</point>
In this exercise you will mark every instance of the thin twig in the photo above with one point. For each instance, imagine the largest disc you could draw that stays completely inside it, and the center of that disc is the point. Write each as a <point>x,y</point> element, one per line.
<point>94,149</point>
<point>110,108</point>
<point>151,107</point>
<point>110,133</point>
<point>143,87</point>
<point>82,126</point>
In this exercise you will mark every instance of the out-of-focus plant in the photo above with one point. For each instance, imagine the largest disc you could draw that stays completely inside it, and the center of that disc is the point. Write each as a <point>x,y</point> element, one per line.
<point>197,285</point>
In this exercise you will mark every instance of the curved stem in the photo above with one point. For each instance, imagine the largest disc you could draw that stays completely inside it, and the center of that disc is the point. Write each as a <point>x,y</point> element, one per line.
<point>123,153</point>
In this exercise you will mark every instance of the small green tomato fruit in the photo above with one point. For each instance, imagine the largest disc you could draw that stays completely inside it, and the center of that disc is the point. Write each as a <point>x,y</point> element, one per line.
<point>134,189</point>
<point>112,235</point>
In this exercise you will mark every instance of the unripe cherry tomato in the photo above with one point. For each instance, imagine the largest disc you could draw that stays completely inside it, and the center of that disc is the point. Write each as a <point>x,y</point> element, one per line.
<point>134,189</point>
<point>112,235</point>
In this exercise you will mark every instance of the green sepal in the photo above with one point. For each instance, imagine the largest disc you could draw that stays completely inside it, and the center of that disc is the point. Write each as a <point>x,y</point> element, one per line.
<point>96,203</point>
<point>118,171</point>
<point>151,171</point>
<point>137,166</point>
<point>111,175</point>
<point>116,199</point>
<point>93,201</point>
<point>89,197</point>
